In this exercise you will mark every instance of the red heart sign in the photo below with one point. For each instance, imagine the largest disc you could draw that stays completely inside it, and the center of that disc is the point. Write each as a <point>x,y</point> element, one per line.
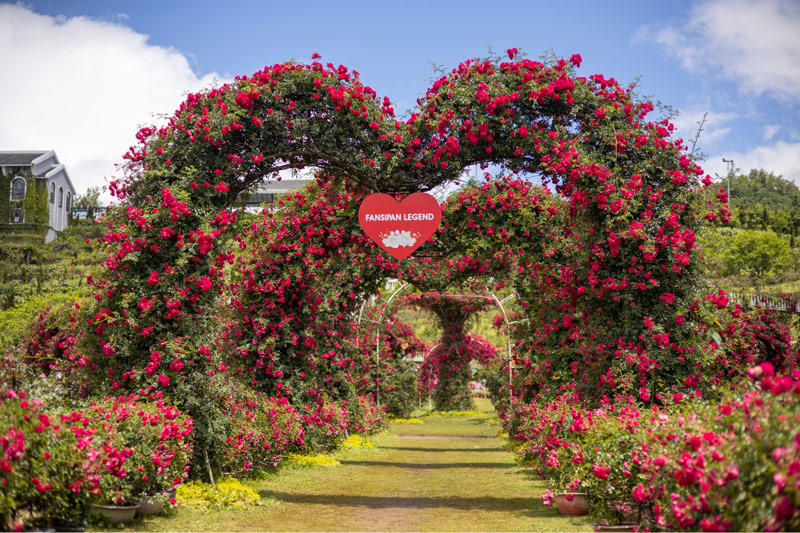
<point>400,227</point>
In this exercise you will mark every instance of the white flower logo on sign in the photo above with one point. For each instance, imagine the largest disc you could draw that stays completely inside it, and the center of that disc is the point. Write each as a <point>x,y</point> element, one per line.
<point>398,238</point>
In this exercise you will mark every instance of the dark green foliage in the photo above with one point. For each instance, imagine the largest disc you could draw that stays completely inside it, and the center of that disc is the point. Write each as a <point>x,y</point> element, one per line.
<point>452,393</point>
<point>36,276</point>
<point>402,396</point>
<point>763,201</point>
<point>34,205</point>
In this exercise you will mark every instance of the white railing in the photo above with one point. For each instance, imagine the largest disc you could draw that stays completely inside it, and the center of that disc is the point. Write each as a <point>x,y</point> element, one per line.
<point>776,303</point>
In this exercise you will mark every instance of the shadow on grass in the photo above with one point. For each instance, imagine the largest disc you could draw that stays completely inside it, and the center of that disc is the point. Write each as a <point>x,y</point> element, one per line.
<point>429,466</point>
<point>530,473</point>
<point>482,421</point>
<point>442,436</point>
<point>417,449</point>
<point>523,505</point>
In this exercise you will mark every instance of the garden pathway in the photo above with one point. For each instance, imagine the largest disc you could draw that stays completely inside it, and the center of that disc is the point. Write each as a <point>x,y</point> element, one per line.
<point>447,474</point>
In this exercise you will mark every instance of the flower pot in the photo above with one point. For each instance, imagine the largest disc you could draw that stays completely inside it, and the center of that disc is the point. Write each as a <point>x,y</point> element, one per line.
<point>71,526</point>
<point>578,506</point>
<point>117,514</point>
<point>150,508</point>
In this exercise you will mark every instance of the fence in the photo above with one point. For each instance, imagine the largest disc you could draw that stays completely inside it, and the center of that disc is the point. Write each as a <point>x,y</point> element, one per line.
<point>776,303</point>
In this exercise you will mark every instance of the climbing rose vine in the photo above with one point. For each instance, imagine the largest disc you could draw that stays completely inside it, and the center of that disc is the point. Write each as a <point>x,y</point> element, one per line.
<point>447,366</point>
<point>605,263</point>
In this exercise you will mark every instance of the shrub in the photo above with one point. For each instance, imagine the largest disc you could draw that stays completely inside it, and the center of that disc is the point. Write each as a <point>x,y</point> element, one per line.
<point>56,461</point>
<point>16,323</point>
<point>158,433</point>
<point>319,459</point>
<point>549,432</point>
<point>406,421</point>
<point>258,430</point>
<point>402,393</point>
<point>229,492</point>
<point>325,425</point>
<point>731,466</point>
<point>355,442</point>
<point>44,468</point>
<point>750,337</point>
<point>365,416</point>
<point>609,463</point>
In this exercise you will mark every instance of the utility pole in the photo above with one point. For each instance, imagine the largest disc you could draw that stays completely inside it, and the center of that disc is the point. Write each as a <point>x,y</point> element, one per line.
<point>729,162</point>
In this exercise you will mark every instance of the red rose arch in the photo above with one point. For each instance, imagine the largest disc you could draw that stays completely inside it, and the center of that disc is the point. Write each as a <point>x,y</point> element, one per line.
<point>195,293</point>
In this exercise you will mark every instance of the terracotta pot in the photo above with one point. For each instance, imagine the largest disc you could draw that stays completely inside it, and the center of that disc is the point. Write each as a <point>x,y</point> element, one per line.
<point>579,506</point>
<point>117,514</point>
<point>150,509</point>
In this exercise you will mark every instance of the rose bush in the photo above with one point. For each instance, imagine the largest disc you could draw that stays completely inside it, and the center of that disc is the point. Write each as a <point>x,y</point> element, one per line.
<point>730,466</point>
<point>446,367</point>
<point>366,417</point>
<point>714,466</point>
<point>259,430</point>
<point>612,463</point>
<point>45,475</point>
<point>56,461</point>
<point>157,433</point>
<point>325,424</point>
<point>390,372</point>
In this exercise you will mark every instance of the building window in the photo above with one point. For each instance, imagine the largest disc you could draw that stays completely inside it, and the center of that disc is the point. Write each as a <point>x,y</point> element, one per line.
<point>69,203</point>
<point>52,193</point>
<point>60,197</point>
<point>18,186</point>
<point>17,216</point>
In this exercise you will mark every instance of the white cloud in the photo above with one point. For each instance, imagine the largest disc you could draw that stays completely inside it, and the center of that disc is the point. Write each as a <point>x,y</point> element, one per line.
<point>82,87</point>
<point>680,45</point>
<point>755,43</point>
<point>770,130</point>
<point>781,158</point>
<point>714,129</point>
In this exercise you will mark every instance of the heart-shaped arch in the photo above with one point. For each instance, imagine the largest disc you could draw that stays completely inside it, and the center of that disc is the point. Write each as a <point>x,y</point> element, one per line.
<point>629,194</point>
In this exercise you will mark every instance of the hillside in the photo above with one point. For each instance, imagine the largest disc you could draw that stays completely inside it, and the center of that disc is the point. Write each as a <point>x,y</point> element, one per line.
<point>761,200</point>
<point>47,275</point>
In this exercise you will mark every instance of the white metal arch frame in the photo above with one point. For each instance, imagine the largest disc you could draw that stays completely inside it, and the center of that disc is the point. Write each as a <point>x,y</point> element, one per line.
<point>379,324</point>
<point>499,303</point>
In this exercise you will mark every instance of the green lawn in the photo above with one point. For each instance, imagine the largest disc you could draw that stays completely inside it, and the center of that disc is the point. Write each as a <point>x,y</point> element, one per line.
<point>448,474</point>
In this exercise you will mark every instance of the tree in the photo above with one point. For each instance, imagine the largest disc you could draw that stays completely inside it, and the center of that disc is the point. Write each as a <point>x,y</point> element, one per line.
<point>90,200</point>
<point>757,252</point>
<point>762,200</point>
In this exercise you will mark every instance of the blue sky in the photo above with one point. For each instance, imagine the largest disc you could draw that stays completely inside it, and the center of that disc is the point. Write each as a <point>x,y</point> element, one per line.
<point>87,73</point>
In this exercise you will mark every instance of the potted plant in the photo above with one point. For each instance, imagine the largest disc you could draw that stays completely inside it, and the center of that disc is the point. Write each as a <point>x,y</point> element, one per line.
<point>611,466</point>
<point>551,434</point>
<point>159,434</point>
<point>569,497</point>
<point>40,467</point>
<point>114,498</point>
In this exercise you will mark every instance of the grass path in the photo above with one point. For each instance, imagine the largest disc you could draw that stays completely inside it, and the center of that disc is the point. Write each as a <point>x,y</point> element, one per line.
<point>448,474</point>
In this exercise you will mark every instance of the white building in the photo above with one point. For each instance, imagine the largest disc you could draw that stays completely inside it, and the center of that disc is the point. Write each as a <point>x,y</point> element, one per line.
<point>267,192</point>
<point>26,169</point>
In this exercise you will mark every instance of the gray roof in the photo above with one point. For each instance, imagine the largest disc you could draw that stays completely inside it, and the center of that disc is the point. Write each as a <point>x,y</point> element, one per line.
<point>19,159</point>
<point>44,163</point>
<point>280,187</point>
